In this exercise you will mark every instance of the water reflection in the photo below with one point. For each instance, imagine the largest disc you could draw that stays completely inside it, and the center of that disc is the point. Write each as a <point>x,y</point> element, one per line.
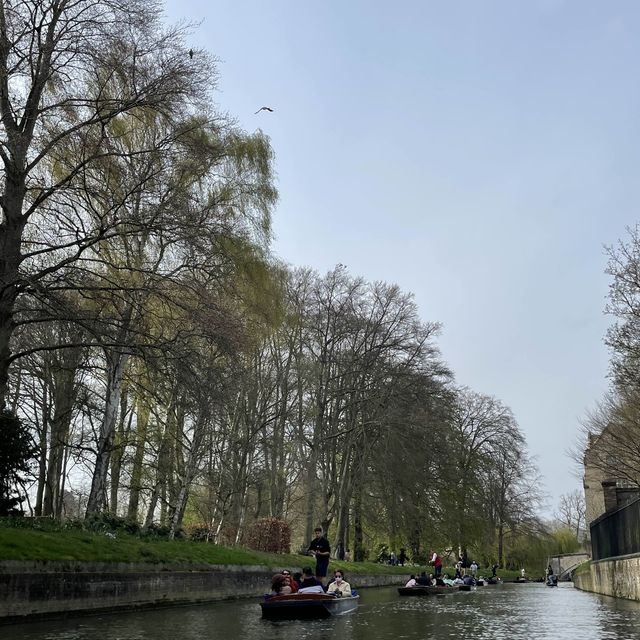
<point>490,612</point>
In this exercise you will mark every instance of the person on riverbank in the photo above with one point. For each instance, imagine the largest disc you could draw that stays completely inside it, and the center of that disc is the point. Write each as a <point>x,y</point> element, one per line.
<point>319,547</point>
<point>474,568</point>
<point>339,587</point>
<point>402,557</point>
<point>309,583</point>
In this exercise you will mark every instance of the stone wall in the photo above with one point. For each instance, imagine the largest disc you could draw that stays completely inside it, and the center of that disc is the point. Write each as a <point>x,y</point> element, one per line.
<point>618,577</point>
<point>49,589</point>
<point>565,563</point>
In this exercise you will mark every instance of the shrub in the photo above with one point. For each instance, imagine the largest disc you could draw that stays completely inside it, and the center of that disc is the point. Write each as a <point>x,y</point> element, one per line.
<point>16,453</point>
<point>103,522</point>
<point>155,531</point>
<point>199,533</point>
<point>383,554</point>
<point>269,534</point>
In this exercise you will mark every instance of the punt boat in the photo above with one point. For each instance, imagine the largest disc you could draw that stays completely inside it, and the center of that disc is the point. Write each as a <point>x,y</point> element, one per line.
<point>305,606</point>
<point>425,590</point>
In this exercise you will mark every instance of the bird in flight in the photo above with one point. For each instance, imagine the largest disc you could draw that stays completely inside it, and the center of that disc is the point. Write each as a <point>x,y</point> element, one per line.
<point>264,109</point>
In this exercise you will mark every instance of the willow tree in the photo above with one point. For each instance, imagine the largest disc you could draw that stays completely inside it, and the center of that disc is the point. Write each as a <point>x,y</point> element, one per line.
<point>68,68</point>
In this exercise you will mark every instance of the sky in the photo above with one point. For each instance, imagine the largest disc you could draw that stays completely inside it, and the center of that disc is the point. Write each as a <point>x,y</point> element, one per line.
<point>480,154</point>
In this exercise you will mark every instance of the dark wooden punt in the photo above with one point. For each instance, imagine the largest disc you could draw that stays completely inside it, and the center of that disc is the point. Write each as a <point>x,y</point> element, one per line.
<point>306,605</point>
<point>423,590</point>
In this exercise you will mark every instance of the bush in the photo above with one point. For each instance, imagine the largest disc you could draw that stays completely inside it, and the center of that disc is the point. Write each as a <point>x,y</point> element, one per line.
<point>383,554</point>
<point>155,531</point>
<point>16,453</point>
<point>103,522</point>
<point>270,535</point>
<point>199,533</point>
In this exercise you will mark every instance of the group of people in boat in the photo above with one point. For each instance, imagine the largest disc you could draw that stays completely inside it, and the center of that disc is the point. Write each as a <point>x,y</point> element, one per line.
<point>286,583</point>
<point>424,580</point>
<point>466,574</point>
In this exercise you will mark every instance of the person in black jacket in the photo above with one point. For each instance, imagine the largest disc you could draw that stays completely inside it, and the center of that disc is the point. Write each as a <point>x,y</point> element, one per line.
<point>319,547</point>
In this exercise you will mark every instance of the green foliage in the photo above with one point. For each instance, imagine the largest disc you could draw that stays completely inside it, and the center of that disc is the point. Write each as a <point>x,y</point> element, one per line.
<point>269,534</point>
<point>383,554</point>
<point>106,522</point>
<point>198,533</point>
<point>585,567</point>
<point>565,542</point>
<point>16,452</point>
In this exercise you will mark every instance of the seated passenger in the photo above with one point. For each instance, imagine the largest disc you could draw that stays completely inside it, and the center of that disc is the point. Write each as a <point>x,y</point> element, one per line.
<point>412,581</point>
<point>468,580</point>
<point>423,580</point>
<point>279,585</point>
<point>309,584</point>
<point>290,581</point>
<point>339,587</point>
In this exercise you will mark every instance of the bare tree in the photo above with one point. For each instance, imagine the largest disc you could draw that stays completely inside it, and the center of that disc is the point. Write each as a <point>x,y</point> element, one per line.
<point>571,511</point>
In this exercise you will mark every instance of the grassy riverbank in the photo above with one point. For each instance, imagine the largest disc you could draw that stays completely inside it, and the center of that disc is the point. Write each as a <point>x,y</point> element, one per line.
<point>46,541</point>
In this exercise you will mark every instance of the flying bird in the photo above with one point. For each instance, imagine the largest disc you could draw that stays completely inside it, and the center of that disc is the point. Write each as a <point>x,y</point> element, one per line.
<point>264,109</point>
<point>191,53</point>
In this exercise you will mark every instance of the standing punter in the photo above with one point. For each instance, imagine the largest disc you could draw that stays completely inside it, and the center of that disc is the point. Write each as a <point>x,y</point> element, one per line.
<point>319,547</point>
<point>436,561</point>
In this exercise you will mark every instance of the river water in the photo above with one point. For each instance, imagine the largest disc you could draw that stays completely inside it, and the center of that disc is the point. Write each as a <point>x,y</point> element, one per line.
<point>531,610</point>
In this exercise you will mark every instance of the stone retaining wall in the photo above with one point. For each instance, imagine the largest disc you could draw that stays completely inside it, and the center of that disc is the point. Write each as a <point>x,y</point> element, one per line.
<point>618,577</point>
<point>48,589</point>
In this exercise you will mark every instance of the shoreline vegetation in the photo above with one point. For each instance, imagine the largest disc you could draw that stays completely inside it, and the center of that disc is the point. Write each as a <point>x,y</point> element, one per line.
<point>45,542</point>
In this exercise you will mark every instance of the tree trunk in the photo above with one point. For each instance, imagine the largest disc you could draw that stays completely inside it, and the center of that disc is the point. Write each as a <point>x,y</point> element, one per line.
<point>11,230</point>
<point>358,536</point>
<point>189,470</point>
<point>42,461</point>
<point>138,458</point>
<point>63,381</point>
<point>121,438</point>
<point>116,361</point>
<point>183,494</point>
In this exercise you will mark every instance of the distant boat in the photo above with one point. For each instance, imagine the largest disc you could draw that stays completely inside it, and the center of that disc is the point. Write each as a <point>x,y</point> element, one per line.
<point>306,605</point>
<point>425,590</point>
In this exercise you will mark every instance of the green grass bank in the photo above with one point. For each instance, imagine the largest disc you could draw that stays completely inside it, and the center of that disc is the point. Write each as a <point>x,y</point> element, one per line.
<point>46,541</point>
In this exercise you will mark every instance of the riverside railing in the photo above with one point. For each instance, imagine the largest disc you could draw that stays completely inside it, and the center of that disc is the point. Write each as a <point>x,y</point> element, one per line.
<point>616,533</point>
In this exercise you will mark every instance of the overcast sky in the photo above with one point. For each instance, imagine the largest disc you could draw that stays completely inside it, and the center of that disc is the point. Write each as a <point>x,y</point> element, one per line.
<point>479,153</point>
